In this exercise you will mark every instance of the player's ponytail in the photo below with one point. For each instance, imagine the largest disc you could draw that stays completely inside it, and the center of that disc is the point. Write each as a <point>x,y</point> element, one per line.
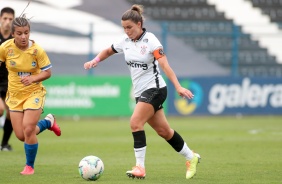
<point>135,14</point>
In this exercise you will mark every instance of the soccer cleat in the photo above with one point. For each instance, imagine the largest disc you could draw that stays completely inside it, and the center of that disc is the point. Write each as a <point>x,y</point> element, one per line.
<point>192,166</point>
<point>28,170</point>
<point>6,147</point>
<point>137,172</point>
<point>54,126</point>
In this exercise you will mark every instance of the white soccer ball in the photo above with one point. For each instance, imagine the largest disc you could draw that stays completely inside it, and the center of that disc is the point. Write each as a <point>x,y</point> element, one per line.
<point>91,168</point>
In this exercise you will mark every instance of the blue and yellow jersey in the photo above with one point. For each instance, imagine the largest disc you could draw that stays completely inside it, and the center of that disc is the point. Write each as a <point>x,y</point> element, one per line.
<point>22,63</point>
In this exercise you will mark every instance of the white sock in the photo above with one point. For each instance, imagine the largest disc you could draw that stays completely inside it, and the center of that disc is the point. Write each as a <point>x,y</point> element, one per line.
<point>140,156</point>
<point>186,152</point>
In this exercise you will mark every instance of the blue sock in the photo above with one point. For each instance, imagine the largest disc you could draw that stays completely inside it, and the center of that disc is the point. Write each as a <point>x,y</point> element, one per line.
<point>43,124</point>
<point>30,153</point>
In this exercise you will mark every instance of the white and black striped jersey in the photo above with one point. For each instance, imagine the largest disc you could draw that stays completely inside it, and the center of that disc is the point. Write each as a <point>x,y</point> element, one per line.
<point>144,69</point>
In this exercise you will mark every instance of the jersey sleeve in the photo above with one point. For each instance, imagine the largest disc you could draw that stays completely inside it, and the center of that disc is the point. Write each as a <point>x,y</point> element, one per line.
<point>118,45</point>
<point>43,59</point>
<point>154,43</point>
<point>2,54</point>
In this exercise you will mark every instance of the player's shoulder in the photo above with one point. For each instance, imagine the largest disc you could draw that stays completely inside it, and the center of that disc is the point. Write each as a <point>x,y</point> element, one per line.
<point>148,34</point>
<point>36,46</point>
<point>7,43</point>
<point>150,38</point>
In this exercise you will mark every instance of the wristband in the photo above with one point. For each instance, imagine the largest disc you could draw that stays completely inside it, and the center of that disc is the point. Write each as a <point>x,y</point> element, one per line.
<point>97,59</point>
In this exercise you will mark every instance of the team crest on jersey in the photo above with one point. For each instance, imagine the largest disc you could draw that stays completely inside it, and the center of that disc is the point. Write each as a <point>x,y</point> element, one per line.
<point>36,100</point>
<point>11,52</point>
<point>35,52</point>
<point>33,64</point>
<point>12,63</point>
<point>143,49</point>
<point>146,40</point>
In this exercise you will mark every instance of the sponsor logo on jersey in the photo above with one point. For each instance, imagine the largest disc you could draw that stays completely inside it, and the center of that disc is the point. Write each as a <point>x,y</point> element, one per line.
<point>13,102</point>
<point>24,74</point>
<point>133,64</point>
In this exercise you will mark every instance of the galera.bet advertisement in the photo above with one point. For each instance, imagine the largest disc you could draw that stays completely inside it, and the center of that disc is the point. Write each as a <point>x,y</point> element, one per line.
<point>227,96</point>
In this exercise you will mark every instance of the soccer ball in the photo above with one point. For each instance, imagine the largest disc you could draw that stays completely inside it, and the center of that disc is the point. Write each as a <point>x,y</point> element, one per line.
<point>91,168</point>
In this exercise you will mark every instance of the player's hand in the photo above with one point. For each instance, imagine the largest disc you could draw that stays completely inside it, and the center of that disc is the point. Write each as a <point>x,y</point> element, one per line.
<point>27,80</point>
<point>184,93</point>
<point>90,64</point>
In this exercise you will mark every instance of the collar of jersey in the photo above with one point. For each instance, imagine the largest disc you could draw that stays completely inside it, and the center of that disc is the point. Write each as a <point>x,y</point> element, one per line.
<point>141,36</point>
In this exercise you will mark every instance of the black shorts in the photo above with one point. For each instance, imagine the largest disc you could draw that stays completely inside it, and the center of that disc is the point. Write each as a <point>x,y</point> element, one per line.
<point>153,96</point>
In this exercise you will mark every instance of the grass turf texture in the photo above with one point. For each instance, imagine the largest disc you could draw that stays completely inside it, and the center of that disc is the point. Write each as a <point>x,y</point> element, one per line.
<point>233,150</point>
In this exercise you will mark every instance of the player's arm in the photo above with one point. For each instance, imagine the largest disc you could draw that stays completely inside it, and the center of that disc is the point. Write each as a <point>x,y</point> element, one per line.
<point>162,59</point>
<point>104,54</point>
<point>2,55</point>
<point>43,75</point>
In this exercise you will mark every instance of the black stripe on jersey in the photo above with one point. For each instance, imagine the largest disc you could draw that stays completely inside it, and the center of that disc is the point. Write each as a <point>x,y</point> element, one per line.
<point>114,48</point>
<point>156,74</point>
<point>142,35</point>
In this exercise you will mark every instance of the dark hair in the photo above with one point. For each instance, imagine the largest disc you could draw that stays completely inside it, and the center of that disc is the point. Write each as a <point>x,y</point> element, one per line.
<point>7,10</point>
<point>21,21</point>
<point>134,14</point>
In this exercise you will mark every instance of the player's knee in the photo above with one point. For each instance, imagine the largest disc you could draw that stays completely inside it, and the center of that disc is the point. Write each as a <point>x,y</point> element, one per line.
<point>29,130</point>
<point>135,125</point>
<point>164,133</point>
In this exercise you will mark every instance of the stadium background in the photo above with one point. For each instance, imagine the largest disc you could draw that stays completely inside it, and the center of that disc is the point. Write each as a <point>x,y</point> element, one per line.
<point>227,52</point>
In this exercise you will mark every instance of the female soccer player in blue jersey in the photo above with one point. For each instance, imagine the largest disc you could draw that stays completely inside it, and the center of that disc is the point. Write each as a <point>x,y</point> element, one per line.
<point>28,65</point>
<point>143,53</point>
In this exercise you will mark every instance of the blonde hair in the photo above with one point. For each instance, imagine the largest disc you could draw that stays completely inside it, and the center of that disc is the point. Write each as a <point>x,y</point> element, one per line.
<point>135,14</point>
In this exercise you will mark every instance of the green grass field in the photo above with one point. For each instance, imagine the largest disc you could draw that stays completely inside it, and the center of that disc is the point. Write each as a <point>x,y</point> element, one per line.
<point>233,150</point>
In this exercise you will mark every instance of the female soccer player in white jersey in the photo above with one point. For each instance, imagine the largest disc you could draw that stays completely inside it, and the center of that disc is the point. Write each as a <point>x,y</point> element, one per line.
<point>28,65</point>
<point>143,52</point>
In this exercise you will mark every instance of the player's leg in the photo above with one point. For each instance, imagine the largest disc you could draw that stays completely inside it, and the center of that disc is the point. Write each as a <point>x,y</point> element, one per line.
<point>142,112</point>
<point>159,123</point>
<point>49,122</point>
<point>30,129</point>
<point>17,123</point>
<point>7,131</point>
<point>32,106</point>
<point>2,107</point>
